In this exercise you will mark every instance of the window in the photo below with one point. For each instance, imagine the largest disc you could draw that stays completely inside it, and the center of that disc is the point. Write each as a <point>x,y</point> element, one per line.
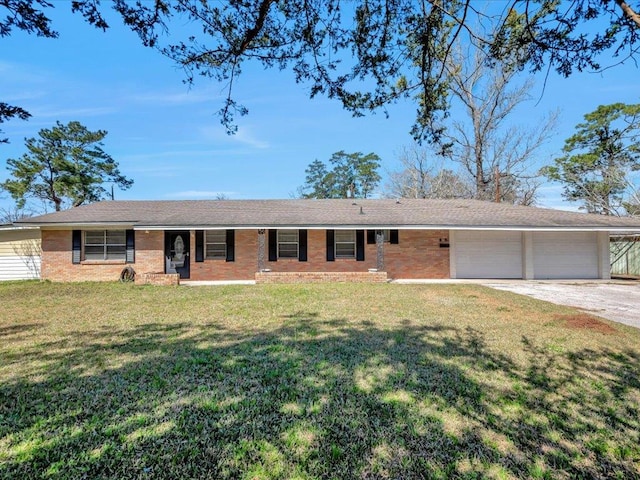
<point>345,241</point>
<point>105,245</point>
<point>288,243</point>
<point>216,244</point>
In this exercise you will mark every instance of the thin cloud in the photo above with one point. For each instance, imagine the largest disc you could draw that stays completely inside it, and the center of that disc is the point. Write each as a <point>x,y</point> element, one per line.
<point>182,155</point>
<point>172,98</point>
<point>199,194</point>
<point>244,136</point>
<point>53,112</point>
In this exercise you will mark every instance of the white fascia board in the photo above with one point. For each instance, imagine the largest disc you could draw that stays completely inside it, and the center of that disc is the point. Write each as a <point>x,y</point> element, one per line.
<point>16,227</point>
<point>519,228</point>
<point>550,229</point>
<point>83,226</point>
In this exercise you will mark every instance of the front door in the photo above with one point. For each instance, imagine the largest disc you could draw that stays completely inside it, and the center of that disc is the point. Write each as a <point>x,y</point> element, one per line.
<point>176,256</point>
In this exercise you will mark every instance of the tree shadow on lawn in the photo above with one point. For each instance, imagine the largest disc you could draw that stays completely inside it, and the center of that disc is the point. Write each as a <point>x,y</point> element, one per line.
<point>316,399</point>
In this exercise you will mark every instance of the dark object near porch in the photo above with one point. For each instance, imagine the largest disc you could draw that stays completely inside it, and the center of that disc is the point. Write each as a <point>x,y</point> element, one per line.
<point>128,274</point>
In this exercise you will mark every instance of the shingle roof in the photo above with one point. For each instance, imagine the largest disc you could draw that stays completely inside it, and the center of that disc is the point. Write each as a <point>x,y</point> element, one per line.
<point>369,213</point>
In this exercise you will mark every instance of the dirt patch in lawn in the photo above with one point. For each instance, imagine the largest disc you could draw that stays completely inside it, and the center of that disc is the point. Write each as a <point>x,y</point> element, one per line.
<point>584,321</point>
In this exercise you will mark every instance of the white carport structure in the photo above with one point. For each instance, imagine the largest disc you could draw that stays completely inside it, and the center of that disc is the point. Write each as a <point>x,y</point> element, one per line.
<point>530,254</point>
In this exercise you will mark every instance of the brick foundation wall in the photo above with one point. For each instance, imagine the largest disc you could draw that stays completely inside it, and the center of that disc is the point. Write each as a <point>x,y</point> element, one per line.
<point>243,267</point>
<point>321,277</point>
<point>165,279</point>
<point>57,265</point>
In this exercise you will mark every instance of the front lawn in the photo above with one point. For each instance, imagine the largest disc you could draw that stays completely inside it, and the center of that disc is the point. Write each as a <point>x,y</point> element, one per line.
<point>309,382</point>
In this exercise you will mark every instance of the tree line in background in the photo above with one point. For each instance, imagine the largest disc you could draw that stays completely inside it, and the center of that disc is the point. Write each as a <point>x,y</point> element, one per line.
<point>598,169</point>
<point>66,165</point>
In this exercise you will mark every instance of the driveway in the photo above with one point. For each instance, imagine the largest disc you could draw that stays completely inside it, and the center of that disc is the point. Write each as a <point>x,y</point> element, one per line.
<point>617,301</point>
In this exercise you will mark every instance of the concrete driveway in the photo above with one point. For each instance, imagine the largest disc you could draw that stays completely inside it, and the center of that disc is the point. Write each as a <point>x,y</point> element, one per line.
<point>617,301</point>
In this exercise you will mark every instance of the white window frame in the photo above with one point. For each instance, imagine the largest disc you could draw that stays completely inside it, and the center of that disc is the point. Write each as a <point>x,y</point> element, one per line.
<point>289,242</point>
<point>207,242</point>
<point>105,245</point>
<point>344,242</point>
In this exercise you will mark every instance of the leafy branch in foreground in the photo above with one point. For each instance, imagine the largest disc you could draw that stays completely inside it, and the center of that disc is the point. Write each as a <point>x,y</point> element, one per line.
<point>366,55</point>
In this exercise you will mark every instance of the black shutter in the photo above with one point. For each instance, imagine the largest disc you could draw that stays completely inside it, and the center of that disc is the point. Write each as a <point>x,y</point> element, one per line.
<point>331,253</point>
<point>76,246</point>
<point>131,246</point>
<point>393,236</point>
<point>273,245</point>
<point>360,245</point>
<point>167,244</point>
<point>371,237</point>
<point>199,245</point>
<point>231,245</point>
<point>302,245</point>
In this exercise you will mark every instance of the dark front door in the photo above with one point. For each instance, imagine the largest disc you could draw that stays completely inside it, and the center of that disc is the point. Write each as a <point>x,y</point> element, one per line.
<point>176,256</point>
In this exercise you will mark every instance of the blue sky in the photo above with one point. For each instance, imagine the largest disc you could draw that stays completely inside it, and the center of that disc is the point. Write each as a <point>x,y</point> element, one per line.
<point>167,137</point>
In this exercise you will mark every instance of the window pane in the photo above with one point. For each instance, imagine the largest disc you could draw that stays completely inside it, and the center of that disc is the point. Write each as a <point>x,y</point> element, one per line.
<point>94,237</point>
<point>94,252</point>
<point>216,236</point>
<point>345,236</point>
<point>345,250</point>
<point>216,250</point>
<point>115,237</point>
<point>288,236</point>
<point>345,243</point>
<point>116,252</point>
<point>288,250</point>
<point>104,245</point>
<point>216,244</point>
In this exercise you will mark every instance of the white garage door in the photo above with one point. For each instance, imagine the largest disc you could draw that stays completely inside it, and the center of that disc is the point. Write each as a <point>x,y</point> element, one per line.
<point>565,255</point>
<point>488,254</point>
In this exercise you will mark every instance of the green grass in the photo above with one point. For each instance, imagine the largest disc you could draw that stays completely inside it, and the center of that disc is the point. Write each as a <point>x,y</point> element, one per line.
<point>311,382</point>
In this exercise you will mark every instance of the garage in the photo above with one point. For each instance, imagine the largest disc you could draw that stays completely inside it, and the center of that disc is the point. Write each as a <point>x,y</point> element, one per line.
<point>488,254</point>
<point>566,255</point>
<point>19,253</point>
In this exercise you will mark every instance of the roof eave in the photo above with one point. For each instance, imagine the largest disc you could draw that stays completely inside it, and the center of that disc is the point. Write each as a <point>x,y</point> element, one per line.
<point>79,225</point>
<point>523,228</point>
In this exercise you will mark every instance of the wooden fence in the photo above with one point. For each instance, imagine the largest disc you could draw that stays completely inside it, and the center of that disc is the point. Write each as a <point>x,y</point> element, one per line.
<point>625,255</point>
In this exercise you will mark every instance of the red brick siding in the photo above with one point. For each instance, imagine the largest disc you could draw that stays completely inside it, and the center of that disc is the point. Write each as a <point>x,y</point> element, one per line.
<point>417,255</point>
<point>317,258</point>
<point>243,267</point>
<point>149,252</point>
<point>57,265</point>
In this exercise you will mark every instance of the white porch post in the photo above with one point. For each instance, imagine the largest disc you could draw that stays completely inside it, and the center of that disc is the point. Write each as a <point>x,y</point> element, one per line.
<point>452,254</point>
<point>528,272</point>
<point>261,245</point>
<point>604,256</point>
<point>380,250</point>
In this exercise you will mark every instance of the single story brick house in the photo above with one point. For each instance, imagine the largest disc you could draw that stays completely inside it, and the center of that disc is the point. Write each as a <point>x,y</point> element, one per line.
<point>297,240</point>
